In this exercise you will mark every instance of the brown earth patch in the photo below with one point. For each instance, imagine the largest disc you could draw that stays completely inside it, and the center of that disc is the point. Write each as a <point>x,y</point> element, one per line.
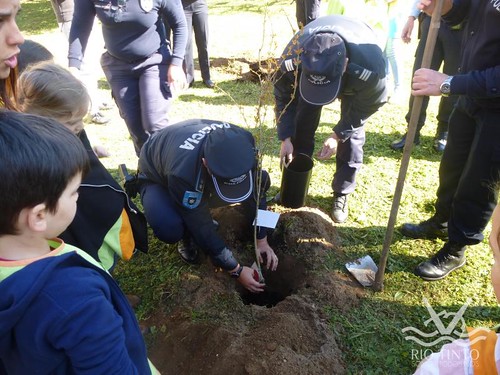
<point>215,327</point>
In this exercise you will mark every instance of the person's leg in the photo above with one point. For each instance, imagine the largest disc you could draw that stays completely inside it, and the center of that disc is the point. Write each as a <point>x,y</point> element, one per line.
<point>307,121</point>
<point>451,40</point>
<point>200,27</point>
<point>437,59</point>
<point>124,83</point>
<point>155,95</point>
<point>451,168</point>
<point>300,13</point>
<point>63,9</point>
<point>454,161</point>
<point>312,10</point>
<point>417,63</point>
<point>349,160</point>
<point>161,213</point>
<point>391,61</point>
<point>475,196</point>
<point>188,57</point>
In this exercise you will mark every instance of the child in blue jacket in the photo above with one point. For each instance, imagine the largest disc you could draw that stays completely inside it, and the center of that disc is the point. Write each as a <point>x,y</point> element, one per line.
<point>60,311</point>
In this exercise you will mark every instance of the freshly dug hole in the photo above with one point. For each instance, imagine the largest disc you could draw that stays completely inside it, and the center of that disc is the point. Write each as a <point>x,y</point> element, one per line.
<point>283,282</point>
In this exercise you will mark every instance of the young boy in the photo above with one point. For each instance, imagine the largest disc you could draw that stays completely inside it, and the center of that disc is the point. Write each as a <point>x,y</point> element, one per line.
<point>60,311</point>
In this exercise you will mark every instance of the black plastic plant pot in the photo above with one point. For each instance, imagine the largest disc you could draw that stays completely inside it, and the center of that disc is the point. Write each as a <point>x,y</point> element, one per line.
<point>295,181</point>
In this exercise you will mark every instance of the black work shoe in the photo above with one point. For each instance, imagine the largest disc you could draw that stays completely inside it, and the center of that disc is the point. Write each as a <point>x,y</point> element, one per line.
<point>440,141</point>
<point>400,143</point>
<point>188,251</point>
<point>209,83</point>
<point>449,258</point>
<point>428,229</point>
<point>340,210</point>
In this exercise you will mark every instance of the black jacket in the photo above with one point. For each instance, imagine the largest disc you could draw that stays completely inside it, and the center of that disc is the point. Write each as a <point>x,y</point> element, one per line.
<point>479,76</point>
<point>172,158</point>
<point>363,88</point>
<point>100,205</point>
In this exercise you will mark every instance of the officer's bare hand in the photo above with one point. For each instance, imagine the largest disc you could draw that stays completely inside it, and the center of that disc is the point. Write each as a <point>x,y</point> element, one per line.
<point>176,79</point>
<point>246,279</point>
<point>329,147</point>
<point>271,258</point>
<point>286,152</point>
<point>428,6</point>
<point>426,82</point>
<point>407,30</point>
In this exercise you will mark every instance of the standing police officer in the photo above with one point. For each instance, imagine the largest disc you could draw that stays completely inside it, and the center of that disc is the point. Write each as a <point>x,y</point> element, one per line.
<point>192,166</point>
<point>333,56</point>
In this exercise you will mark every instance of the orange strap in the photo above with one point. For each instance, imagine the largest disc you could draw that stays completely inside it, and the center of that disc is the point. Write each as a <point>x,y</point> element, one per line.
<point>482,350</point>
<point>127,242</point>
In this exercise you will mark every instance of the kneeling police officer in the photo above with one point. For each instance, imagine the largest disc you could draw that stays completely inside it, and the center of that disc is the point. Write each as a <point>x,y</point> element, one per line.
<point>190,167</point>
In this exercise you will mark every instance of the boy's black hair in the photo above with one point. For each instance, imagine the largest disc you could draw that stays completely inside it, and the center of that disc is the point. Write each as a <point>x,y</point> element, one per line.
<point>38,158</point>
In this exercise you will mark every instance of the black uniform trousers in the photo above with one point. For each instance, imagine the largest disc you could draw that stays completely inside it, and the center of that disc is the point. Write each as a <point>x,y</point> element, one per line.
<point>307,11</point>
<point>469,172</point>
<point>349,158</point>
<point>163,215</point>
<point>446,52</point>
<point>197,20</point>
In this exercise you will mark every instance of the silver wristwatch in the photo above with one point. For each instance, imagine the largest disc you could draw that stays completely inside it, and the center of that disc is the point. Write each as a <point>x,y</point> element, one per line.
<point>445,87</point>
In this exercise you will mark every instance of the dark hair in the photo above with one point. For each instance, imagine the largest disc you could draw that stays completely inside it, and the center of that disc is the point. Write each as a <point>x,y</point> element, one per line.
<point>38,158</point>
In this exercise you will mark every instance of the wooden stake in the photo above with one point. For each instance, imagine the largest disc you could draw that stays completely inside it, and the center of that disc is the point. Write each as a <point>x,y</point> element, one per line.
<point>378,285</point>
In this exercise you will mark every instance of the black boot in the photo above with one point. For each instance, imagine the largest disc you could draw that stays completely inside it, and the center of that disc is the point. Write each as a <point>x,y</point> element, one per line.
<point>449,258</point>
<point>400,143</point>
<point>188,250</point>
<point>429,229</point>
<point>440,141</point>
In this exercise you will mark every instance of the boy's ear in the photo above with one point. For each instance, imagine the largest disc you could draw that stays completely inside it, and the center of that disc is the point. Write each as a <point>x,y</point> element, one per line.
<point>37,218</point>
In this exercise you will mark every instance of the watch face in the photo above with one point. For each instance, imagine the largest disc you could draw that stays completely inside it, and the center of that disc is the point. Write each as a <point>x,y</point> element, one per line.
<point>445,87</point>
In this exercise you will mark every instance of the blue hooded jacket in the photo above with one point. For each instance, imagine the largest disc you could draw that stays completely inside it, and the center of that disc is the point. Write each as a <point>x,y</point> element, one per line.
<point>63,314</point>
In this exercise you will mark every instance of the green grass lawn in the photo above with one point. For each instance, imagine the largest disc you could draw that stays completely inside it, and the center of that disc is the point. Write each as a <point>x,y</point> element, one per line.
<point>371,333</point>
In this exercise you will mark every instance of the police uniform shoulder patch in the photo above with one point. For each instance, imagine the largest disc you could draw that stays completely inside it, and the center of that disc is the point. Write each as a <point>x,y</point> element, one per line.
<point>146,5</point>
<point>191,199</point>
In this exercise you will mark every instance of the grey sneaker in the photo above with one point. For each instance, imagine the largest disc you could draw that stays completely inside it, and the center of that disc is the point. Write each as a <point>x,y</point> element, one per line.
<point>99,118</point>
<point>340,210</point>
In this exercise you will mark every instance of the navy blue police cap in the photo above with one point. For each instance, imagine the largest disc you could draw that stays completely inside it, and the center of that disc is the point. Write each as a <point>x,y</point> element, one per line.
<point>230,156</point>
<point>323,60</point>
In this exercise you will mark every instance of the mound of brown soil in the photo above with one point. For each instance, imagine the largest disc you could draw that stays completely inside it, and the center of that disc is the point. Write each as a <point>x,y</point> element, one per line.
<point>216,327</point>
